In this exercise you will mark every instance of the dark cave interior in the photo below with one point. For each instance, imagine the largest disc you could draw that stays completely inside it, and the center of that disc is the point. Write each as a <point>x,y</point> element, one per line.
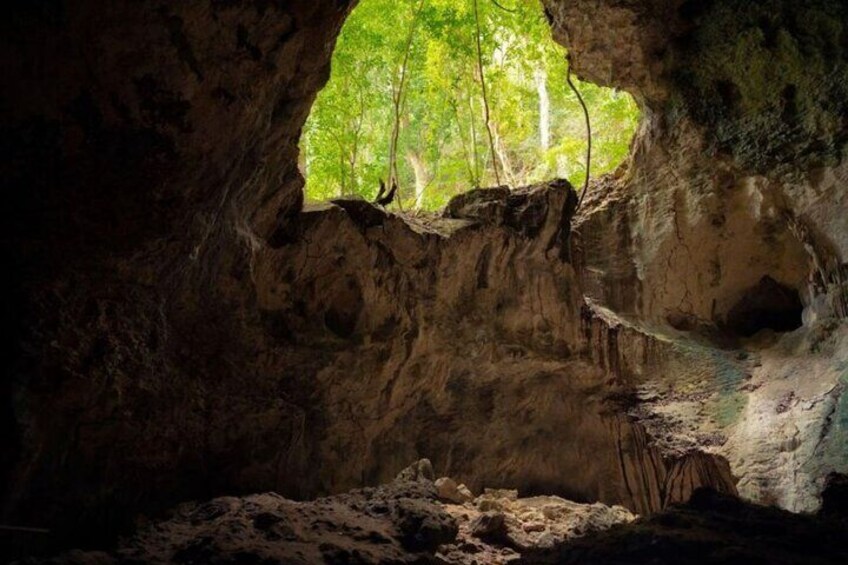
<point>768,305</point>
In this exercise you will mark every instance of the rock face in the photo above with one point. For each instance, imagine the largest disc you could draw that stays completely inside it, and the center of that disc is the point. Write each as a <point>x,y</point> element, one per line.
<point>730,220</point>
<point>148,151</point>
<point>434,336</point>
<point>184,328</point>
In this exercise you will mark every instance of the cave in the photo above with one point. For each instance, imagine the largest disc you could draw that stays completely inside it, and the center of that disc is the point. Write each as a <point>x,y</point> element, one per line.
<point>768,305</point>
<point>203,367</point>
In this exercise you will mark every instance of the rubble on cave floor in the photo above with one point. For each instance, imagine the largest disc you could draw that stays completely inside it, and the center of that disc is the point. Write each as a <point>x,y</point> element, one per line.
<point>415,519</point>
<point>500,527</point>
<point>405,521</point>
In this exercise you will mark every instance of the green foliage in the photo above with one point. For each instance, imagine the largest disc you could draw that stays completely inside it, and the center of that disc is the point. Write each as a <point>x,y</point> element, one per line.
<point>443,145</point>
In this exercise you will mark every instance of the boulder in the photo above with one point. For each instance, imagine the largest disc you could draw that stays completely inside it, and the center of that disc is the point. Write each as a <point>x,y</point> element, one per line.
<point>490,526</point>
<point>421,470</point>
<point>449,491</point>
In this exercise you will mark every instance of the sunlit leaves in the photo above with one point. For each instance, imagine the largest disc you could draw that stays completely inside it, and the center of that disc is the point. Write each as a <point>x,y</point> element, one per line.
<point>346,140</point>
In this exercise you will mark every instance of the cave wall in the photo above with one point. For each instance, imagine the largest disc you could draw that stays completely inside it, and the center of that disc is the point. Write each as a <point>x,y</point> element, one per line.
<point>743,145</point>
<point>147,147</point>
<point>737,180</point>
<point>466,339</point>
<point>182,328</point>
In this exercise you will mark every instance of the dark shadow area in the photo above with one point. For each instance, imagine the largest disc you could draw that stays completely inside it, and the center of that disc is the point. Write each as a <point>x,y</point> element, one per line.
<point>768,305</point>
<point>710,528</point>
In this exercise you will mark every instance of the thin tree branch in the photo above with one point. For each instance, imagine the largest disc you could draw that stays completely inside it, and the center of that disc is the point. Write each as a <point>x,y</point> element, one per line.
<point>477,174</point>
<point>485,95</point>
<point>505,9</point>
<point>467,156</point>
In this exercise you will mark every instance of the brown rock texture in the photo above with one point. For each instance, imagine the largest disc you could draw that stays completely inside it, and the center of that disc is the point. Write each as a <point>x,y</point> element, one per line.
<point>183,328</point>
<point>403,522</point>
<point>730,219</point>
<point>147,149</point>
<point>399,522</point>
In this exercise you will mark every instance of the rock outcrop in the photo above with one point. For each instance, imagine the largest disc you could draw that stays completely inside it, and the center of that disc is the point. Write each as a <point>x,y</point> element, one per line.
<point>399,522</point>
<point>148,150</point>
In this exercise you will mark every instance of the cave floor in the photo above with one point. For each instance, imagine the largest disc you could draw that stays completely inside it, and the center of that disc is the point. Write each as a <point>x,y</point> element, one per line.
<point>412,520</point>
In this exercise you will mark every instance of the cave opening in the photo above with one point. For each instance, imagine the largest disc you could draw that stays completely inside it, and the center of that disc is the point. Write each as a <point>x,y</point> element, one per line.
<point>768,305</point>
<point>413,96</point>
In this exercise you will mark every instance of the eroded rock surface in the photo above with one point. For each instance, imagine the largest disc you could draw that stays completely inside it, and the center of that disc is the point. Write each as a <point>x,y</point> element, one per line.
<point>404,522</point>
<point>730,218</point>
<point>400,522</point>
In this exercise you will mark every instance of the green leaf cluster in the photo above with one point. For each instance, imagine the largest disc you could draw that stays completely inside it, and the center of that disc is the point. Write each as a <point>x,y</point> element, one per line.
<point>443,148</point>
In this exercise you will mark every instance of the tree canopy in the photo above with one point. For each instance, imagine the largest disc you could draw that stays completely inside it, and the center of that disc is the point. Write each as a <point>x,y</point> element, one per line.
<point>421,58</point>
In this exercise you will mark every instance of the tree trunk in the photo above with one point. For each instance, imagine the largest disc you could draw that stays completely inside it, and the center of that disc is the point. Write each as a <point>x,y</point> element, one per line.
<point>357,135</point>
<point>544,109</point>
<point>485,94</point>
<point>502,154</point>
<point>474,149</point>
<point>398,101</point>
<point>343,173</point>
<point>303,161</point>
<point>419,168</point>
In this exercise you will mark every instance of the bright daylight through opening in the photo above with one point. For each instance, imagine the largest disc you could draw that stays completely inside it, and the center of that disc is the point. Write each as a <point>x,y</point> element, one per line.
<point>406,89</point>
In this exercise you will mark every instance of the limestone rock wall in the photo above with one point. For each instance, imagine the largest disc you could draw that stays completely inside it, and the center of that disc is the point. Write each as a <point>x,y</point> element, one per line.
<point>467,338</point>
<point>737,181</point>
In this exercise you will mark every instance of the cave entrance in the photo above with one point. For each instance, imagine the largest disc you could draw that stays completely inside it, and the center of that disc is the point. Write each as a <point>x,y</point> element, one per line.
<point>438,118</point>
<point>767,305</point>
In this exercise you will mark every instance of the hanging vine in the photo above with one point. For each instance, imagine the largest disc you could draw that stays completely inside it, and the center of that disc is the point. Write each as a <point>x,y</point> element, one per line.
<point>504,8</point>
<point>588,132</point>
